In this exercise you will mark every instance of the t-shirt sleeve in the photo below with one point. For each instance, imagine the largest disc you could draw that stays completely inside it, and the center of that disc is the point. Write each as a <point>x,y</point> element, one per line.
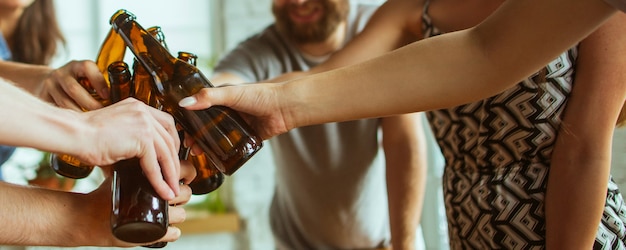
<point>241,62</point>
<point>618,4</point>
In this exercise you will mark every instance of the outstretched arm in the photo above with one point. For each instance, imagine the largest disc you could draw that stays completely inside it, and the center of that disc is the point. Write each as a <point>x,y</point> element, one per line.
<point>93,136</point>
<point>394,24</point>
<point>443,71</point>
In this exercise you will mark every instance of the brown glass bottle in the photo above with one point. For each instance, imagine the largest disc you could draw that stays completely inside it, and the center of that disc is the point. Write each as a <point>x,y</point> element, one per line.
<point>141,78</point>
<point>139,214</point>
<point>219,131</point>
<point>208,177</point>
<point>112,49</point>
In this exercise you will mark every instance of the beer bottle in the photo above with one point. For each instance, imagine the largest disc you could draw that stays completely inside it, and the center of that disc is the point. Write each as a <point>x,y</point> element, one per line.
<point>142,79</point>
<point>112,49</point>
<point>222,134</point>
<point>208,178</point>
<point>139,214</point>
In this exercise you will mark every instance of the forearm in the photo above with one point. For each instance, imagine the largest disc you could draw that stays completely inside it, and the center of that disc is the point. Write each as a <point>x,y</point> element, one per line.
<point>575,198</point>
<point>406,162</point>
<point>23,117</point>
<point>34,216</point>
<point>25,76</point>
<point>418,77</point>
<point>579,173</point>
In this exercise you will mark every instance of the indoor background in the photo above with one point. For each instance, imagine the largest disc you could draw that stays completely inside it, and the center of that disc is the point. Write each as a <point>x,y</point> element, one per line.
<point>208,28</point>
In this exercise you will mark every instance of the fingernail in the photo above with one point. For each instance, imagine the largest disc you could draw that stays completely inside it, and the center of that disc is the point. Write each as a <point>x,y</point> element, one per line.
<point>171,195</point>
<point>187,101</point>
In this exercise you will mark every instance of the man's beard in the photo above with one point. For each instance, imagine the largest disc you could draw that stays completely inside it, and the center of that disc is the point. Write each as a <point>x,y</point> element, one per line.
<point>318,31</point>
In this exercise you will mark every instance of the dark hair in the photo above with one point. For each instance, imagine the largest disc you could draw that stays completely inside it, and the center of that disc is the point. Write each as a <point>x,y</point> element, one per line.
<point>37,35</point>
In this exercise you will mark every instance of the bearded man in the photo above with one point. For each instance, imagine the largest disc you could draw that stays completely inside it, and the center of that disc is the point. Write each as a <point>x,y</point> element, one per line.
<point>348,185</point>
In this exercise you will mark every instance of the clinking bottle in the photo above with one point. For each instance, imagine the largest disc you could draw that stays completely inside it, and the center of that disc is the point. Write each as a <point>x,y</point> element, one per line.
<point>142,79</point>
<point>139,214</point>
<point>112,49</point>
<point>208,177</point>
<point>222,134</point>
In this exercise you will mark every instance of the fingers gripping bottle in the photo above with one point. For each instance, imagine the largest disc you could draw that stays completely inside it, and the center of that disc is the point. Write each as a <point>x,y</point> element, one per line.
<point>139,214</point>
<point>112,49</point>
<point>222,134</point>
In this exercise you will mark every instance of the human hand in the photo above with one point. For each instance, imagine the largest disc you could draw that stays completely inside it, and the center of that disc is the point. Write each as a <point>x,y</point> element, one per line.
<point>258,103</point>
<point>100,223</point>
<point>62,86</point>
<point>129,129</point>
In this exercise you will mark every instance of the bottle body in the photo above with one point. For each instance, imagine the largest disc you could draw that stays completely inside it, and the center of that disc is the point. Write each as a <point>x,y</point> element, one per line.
<point>219,131</point>
<point>69,166</point>
<point>139,214</point>
<point>208,177</point>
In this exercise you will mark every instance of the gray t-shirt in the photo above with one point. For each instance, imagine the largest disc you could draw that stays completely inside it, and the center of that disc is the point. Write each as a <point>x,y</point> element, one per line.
<point>330,178</point>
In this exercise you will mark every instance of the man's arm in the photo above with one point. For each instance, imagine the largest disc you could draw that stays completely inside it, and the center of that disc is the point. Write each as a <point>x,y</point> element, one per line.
<point>33,216</point>
<point>226,78</point>
<point>405,153</point>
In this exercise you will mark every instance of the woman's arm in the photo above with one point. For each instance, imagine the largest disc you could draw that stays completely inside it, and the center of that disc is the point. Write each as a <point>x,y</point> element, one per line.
<point>581,160</point>
<point>394,24</point>
<point>404,144</point>
<point>443,71</point>
<point>59,86</point>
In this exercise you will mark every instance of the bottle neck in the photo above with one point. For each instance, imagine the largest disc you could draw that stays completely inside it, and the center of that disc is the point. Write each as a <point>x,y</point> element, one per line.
<point>155,58</point>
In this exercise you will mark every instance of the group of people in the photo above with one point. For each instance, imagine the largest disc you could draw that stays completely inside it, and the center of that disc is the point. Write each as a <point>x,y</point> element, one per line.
<point>522,97</point>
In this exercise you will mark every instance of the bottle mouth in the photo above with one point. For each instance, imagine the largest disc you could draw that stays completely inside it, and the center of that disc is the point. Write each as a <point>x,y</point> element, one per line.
<point>121,16</point>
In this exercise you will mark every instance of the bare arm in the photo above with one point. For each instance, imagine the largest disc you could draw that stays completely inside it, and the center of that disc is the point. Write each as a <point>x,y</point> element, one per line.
<point>29,76</point>
<point>405,155</point>
<point>32,216</point>
<point>443,71</point>
<point>394,24</point>
<point>93,136</point>
<point>226,78</point>
<point>581,159</point>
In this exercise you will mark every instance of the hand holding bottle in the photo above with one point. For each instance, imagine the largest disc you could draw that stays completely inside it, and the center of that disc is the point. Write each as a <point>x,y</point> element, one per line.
<point>148,133</point>
<point>264,115</point>
<point>96,214</point>
<point>62,87</point>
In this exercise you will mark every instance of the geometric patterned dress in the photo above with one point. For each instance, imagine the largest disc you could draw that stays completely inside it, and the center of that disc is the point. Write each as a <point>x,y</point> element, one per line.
<point>497,154</point>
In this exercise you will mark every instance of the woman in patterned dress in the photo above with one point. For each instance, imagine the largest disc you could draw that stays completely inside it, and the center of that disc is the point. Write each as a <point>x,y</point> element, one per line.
<point>499,149</point>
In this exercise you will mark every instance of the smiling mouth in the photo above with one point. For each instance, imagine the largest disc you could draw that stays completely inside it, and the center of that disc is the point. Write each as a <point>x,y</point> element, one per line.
<point>306,13</point>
